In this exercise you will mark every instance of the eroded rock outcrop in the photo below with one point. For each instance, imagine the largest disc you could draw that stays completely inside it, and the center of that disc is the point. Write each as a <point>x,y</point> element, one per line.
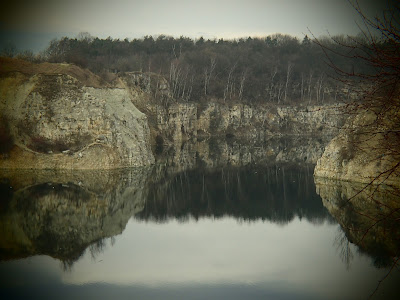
<point>365,150</point>
<point>56,121</point>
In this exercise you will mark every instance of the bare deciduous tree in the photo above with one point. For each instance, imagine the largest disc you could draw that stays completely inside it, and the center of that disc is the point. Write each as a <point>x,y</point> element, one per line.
<point>378,87</point>
<point>241,85</point>
<point>288,73</point>
<point>229,83</point>
<point>208,73</point>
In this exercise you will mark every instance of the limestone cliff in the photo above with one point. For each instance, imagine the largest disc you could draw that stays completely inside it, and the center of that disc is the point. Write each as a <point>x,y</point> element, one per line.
<point>56,120</point>
<point>365,150</point>
<point>172,121</point>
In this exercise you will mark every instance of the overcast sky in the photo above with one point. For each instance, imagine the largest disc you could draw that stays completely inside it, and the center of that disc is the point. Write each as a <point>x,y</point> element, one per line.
<point>31,23</point>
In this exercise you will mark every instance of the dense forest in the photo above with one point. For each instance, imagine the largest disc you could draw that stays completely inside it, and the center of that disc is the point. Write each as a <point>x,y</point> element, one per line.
<point>277,69</point>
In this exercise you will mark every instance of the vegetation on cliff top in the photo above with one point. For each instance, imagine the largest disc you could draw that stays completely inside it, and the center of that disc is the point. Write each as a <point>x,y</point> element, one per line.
<point>9,65</point>
<point>276,69</point>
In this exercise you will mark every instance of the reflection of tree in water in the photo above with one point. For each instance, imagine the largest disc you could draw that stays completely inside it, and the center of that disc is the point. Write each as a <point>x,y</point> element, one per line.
<point>67,264</point>
<point>277,193</point>
<point>343,247</point>
<point>66,220</point>
<point>95,249</point>
<point>369,218</point>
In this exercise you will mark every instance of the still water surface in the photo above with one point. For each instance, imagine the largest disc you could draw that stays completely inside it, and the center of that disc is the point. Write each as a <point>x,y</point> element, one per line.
<point>244,232</point>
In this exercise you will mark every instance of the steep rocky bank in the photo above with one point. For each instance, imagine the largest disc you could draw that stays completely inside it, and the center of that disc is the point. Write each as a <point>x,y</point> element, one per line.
<point>365,150</point>
<point>172,122</point>
<point>58,121</point>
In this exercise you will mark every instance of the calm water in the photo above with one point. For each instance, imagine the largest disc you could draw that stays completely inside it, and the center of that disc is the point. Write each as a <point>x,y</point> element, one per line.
<point>258,231</point>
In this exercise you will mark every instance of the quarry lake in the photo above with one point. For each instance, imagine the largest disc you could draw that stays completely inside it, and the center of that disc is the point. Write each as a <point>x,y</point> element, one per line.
<point>221,225</point>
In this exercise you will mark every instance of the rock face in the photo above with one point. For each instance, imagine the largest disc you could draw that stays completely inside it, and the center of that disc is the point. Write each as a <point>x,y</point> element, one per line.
<point>57,122</point>
<point>261,121</point>
<point>364,151</point>
<point>173,122</point>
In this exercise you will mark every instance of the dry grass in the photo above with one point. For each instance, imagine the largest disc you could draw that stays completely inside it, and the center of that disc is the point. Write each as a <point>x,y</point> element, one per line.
<point>87,78</point>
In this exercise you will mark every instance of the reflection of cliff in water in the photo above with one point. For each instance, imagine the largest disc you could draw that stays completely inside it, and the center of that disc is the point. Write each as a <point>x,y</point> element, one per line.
<point>276,192</point>
<point>220,152</point>
<point>61,213</point>
<point>369,217</point>
<point>269,180</point>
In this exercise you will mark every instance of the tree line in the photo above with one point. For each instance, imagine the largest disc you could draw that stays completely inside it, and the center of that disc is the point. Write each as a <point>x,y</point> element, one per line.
<point>275,69</point>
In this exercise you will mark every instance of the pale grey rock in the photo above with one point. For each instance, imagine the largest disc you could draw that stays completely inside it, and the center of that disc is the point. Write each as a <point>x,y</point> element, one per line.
<point>177,121</point>
<point>99,127</point>
<point>364,151</point>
